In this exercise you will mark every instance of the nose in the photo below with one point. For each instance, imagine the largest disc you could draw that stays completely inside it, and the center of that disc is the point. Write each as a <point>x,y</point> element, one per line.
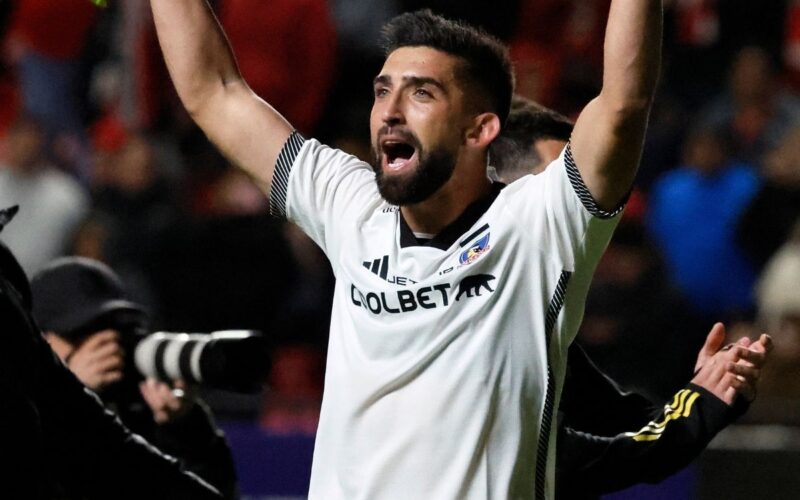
<point>392,112</point>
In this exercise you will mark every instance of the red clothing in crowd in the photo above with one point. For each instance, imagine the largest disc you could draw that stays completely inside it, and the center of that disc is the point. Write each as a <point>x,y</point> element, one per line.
<point>791,48</point>
<point>550,33</point>
<point>53,28</point>
<point>697,22</point>
<point>286,51</point>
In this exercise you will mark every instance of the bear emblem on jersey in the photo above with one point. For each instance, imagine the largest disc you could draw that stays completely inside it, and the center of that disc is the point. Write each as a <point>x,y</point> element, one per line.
<point>475,250</point>
<point>471,286</point>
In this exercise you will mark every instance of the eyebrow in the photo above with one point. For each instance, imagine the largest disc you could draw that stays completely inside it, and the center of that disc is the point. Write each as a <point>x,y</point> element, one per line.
<point>411,80</point>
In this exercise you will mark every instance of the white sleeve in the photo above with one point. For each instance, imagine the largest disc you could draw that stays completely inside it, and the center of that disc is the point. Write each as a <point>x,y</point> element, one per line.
<point>558,211</point>
<point>321,189</point>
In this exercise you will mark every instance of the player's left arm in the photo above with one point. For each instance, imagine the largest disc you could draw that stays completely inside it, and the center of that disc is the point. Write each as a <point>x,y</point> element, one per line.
<point>609,133</point>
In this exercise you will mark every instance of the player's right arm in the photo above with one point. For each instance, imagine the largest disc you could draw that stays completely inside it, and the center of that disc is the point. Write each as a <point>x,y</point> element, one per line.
<point>248,131</point>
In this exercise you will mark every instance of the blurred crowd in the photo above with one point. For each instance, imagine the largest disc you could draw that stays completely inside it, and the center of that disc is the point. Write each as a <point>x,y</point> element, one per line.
<point>106,164</point>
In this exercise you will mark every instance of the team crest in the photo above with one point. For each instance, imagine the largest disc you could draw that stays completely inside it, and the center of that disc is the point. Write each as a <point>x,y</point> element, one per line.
<point>474,252</point>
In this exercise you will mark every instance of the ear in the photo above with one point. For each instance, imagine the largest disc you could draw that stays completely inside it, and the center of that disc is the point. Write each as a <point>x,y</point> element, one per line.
<point>485,128</point>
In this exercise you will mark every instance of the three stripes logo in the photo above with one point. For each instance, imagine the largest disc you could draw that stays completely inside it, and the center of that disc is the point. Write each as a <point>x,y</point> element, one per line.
<point>681,407</point>
<point>379,267</point>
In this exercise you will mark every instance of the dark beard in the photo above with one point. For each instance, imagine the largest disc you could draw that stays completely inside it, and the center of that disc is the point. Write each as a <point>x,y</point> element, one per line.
<point>434,170</point>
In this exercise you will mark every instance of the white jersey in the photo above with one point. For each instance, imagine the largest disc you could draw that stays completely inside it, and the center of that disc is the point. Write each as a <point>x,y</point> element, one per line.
<point>446,358</point>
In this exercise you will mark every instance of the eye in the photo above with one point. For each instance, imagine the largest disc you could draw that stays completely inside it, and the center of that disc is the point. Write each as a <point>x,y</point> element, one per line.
<point>422,92</point>
<point>381,91</point>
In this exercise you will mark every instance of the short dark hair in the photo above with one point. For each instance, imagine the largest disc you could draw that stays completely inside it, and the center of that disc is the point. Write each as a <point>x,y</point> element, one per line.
<point>512,153</point>
<point>487,65</point>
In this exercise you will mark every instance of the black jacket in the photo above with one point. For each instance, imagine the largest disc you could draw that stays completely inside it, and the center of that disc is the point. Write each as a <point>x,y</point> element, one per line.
<point>193,438</point>
<point>609,440</point>
<point>57,432</point>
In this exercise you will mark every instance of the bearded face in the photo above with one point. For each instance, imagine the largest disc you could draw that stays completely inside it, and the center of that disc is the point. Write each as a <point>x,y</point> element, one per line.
<point>406,172</point>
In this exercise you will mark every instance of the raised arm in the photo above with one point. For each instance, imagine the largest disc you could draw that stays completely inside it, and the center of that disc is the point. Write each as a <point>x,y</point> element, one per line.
<point>244,127</point>
<point>609,133</point>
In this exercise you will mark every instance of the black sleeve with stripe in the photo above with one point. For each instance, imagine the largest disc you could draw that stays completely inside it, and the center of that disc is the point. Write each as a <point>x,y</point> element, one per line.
<point>589,465</point>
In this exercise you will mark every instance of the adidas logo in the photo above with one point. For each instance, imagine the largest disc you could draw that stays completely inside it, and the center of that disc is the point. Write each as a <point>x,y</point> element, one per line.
<point>380,268</point>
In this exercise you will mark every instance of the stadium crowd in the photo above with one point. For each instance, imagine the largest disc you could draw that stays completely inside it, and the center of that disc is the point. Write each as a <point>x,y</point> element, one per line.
<point>106,164</point>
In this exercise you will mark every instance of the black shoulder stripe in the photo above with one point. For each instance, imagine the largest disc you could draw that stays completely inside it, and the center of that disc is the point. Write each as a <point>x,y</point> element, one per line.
<point>280,178</point>
<point>583,192</point>
<point>469,238</point>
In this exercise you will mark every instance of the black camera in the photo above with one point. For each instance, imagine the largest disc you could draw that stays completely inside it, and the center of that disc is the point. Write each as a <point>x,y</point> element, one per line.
<point>233,360</point>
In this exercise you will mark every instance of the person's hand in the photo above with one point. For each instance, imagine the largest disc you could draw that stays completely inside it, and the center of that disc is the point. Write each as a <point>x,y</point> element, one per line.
<point>98,361</point>
<point>760,352</point>
<point>733,369</point>
<point>167,403</point>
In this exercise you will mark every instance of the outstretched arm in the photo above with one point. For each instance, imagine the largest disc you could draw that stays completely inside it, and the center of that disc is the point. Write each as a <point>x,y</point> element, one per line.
<point>609,133</point>
<point>677,434</point>
<point>244,127</point>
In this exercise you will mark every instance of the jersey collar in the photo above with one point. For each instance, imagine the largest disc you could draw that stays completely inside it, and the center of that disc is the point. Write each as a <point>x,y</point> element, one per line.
<point>453,231</point>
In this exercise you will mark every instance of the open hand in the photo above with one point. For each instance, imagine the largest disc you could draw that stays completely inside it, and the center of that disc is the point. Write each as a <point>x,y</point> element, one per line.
<point>731,370</point>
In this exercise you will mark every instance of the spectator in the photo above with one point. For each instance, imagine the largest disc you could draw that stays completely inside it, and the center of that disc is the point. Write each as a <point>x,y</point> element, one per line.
<point>48,37</point>
<point>557,51</point>
<point>779,310</point>
<point>769,218</point>
<point>791,44</point>
<point>692,217</point>
<point>90,324</point>
<point>286,52</point>
<point>755,111</point>
<point>292,404</point>
<point>140,208</point>
<point>51,203</point>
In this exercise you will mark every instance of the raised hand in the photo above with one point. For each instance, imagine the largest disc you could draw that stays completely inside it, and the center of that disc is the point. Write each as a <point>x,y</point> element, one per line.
<point>731,370</point>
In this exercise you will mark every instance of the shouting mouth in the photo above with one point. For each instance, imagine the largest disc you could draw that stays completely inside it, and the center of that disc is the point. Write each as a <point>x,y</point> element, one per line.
<point>398,155</point>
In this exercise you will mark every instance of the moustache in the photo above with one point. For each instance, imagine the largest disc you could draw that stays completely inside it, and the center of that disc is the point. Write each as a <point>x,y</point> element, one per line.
<point>403,134</point>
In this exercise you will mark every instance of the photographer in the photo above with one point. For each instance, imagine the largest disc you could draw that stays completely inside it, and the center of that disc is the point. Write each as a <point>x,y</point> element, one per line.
<point>57,437</point>
<point>91,325</point>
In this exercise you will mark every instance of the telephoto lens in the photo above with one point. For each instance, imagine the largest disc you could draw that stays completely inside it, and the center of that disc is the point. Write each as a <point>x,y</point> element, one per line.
<point>232,360</point>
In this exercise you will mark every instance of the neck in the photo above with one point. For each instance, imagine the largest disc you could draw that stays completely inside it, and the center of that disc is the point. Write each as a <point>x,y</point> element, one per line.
<point>446,204</point>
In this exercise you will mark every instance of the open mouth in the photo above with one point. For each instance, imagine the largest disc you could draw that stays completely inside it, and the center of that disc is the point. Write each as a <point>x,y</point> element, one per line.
<point>398,154</point>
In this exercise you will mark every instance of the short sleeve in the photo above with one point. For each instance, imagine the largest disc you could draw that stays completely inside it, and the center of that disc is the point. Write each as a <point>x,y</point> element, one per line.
<point>556,208</point>
<point>321,188</point>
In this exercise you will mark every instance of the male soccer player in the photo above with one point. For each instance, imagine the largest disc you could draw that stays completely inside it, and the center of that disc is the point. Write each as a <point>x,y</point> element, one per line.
<point>608,439</point>
<point>455,299</point>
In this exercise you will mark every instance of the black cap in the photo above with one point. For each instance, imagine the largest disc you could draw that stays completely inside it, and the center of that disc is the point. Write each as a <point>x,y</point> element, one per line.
<point>72,293</point>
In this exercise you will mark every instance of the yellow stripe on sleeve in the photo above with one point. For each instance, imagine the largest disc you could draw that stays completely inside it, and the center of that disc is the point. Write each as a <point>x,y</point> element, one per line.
<point>681,407</point>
